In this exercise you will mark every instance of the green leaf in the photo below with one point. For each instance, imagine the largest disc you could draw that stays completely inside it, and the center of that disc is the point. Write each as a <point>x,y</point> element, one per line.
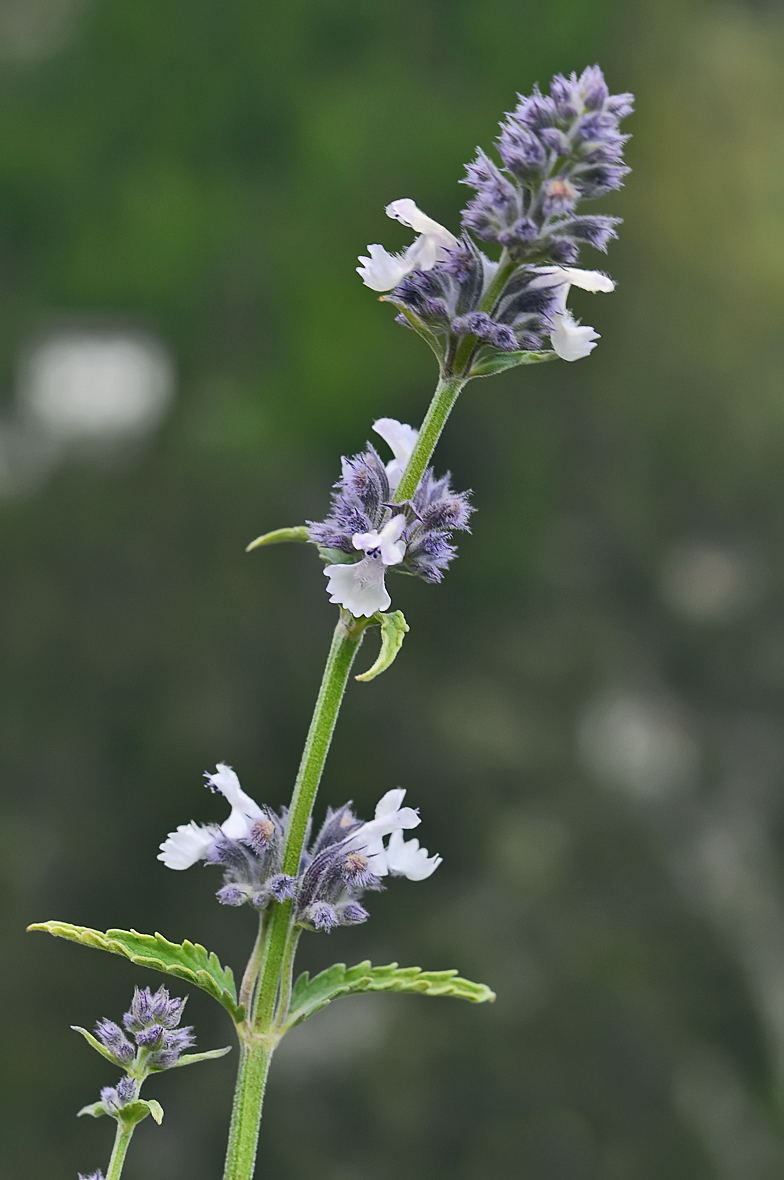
<point>136,1111</point>
<point>278,536</point>
<point>156,1110</point>
<point>393,630</point>
<point>193,1058</point>
<point>128,1115</point>
<point>309,995</point>
<point>497,362</point>
<point>187,960</point>
<point>95,1109</point>
<point>335,556</point>
<point>96,1044</point>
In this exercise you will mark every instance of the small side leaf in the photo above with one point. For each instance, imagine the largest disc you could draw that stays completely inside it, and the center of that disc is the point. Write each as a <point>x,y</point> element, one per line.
<point>186,960</point>
<point>393,630</point>
<point>95,1109</point>
<point>309,995</point>
<point>497,362</point>
<point>156,1110</point>
<point>193,1058</point>
<point>136,1111</point>
<point>278,536</point>
<point>95,1044</point>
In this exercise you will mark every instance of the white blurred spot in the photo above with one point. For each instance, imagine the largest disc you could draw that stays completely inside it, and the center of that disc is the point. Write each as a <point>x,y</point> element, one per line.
<point>638,744</point>
<point>709,583</point>
<point>98,386</point>
<point>336,1037</point>
<point>31,30</point>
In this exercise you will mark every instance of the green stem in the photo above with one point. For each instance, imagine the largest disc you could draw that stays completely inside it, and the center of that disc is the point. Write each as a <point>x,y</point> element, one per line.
<point>438,411</point>
<point>122,1138</point>
<point>252,969</point>
<point>255,1057</point>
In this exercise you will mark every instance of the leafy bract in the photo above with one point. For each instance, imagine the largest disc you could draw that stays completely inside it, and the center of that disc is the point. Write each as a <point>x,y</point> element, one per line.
<point>278,536</point>
<point>309,995</point>
<point>128,1115</point>
<point>393,629</point>
<point>497,362</point>
<point>186,960</point>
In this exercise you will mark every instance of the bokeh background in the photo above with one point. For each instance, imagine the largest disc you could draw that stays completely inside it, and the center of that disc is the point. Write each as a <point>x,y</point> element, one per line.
<point>589,711</point>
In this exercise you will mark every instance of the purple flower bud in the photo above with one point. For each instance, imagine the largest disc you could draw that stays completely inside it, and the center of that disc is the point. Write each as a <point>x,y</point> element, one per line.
<point>323,916</point>
<point>352,914</point>
<point>231,895</point>
<point>149,1038</point>
<point>114,1039</point>
<point>93,1176</point>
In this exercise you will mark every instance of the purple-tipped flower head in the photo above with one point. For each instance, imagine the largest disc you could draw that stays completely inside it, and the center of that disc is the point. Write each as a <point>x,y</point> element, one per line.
<point>152,1020</point>
<point>556,150</point>
<point>364,525</point>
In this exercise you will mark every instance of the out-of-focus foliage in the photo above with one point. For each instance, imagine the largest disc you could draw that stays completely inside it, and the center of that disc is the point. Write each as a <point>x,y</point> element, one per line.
<point>600,756</point>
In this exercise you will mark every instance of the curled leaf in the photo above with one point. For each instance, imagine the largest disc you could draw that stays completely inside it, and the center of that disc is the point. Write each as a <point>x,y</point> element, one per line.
<point>278,536</point>
<point>393,630</point>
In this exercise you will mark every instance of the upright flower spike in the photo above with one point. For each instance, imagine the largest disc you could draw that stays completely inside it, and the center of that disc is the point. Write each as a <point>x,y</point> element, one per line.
<point>556,151</point>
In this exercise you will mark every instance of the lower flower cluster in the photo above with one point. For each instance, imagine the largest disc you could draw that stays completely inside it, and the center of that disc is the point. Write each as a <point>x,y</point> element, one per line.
<point>347,857</point>
<point>156,1042</point>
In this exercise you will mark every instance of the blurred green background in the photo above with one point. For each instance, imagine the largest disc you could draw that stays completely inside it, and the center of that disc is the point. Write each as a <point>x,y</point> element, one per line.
<point>590,709</point>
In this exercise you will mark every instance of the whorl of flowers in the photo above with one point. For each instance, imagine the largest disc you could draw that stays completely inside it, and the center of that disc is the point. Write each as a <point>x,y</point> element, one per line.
<point>347,858</point>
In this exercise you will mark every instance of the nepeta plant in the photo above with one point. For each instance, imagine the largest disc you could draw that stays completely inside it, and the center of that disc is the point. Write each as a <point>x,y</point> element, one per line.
<point>480,315</point>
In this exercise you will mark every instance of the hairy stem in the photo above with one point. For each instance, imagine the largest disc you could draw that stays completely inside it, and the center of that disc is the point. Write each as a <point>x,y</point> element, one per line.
<point>438,411</point>
<point>252,969</point>
<point>255,1057</point>
<point>122,1137</point>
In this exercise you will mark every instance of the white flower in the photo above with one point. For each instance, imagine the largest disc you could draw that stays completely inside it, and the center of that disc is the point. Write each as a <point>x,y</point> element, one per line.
<point>400,438</point>
<point>382,271</point>
<point>192,842</point>
<point>359,586</point>
<point>571,340</point>
<point>406,859</point>
<point>390,818</point>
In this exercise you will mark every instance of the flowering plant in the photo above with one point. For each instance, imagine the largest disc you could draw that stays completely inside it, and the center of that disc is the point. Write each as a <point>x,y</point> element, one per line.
<point>480,316</point>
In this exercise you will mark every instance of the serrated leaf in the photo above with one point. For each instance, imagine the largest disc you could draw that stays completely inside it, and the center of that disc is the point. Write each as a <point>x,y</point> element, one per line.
<point>309,995</point>
<point>94,1043</point>
<point>94,1109</point>
<point>498,362</point>
<point>194,1058</point>
<point>393,630</point>
<point>186,960</point>
<point>278,536</point>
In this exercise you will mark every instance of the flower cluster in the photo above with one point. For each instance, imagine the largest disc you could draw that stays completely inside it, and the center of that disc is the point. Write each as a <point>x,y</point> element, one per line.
<point>157,1043</point>
<point>556,150</point>
<point>346,858</point>
<point>413,535</point>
